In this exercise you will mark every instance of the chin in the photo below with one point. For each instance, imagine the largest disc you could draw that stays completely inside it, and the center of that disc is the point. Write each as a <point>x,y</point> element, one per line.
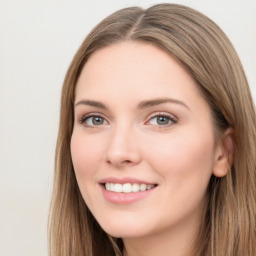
<point>124,228</point>
<point>124,232</point>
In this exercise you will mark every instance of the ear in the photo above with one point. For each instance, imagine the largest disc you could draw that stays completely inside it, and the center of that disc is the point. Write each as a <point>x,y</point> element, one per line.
<point>224,154</point>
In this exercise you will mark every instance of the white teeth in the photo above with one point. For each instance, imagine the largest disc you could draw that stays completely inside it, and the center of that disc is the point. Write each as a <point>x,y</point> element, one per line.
<point>135,187</point>
<point>150,186</point>
<point>143,187</point>
<point>118,188</point>
<point>127,187</point>
<point>107,186</point>
<point>112,187</point>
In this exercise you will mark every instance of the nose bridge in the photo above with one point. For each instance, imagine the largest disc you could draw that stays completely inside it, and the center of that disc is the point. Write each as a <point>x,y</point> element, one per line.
<point>123,146</point>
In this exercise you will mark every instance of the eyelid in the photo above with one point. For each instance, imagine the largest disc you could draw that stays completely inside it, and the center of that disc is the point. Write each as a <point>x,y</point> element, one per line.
<point>84,117</point>
<point>173,118</point>
<point>91,114</point>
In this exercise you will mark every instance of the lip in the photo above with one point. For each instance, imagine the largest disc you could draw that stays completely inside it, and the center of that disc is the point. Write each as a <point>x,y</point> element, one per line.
<point>125,180</point>
<point>125,198</point>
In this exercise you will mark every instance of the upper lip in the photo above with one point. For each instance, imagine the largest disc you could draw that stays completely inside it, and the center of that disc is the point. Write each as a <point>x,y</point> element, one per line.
<point>124,180</point>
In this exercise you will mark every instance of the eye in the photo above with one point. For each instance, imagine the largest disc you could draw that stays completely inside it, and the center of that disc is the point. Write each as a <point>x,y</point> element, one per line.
<point>162,120</point>
<point>93,120</point>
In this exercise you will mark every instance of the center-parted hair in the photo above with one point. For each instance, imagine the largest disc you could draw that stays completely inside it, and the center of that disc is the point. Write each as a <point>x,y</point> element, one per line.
<point>201,47</point>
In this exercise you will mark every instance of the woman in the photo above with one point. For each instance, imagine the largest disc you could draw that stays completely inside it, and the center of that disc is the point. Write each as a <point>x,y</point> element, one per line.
<point>156,147</point>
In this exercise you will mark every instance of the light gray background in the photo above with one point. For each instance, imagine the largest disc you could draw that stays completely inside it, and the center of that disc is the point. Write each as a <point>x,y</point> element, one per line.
<point>37,42</point>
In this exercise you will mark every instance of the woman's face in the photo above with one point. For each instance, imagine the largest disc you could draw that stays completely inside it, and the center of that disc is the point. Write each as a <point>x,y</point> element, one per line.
<point>143,145</point>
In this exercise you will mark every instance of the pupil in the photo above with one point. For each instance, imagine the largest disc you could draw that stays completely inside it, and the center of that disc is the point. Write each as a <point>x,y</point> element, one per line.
<point>97,120</point>
<point>162,120</point>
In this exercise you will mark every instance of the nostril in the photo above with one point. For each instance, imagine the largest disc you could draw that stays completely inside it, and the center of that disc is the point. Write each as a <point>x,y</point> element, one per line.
<point>126,161</point>
<point>119,157</point>
<point>120,164</point>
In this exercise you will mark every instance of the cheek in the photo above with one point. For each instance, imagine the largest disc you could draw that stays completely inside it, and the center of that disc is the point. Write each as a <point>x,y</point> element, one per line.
<point>86,154</point>
<point>185,167</point>
<point>183,161</point>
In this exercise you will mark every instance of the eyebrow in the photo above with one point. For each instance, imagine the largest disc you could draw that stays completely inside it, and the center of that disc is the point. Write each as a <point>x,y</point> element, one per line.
<point>158,101</point>
<point>142,105</point>
<point>92,103</point>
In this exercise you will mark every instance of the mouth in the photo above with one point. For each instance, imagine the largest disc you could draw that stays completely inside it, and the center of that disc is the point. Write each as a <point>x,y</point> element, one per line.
<point>126,190</point>
<point>127,187</point>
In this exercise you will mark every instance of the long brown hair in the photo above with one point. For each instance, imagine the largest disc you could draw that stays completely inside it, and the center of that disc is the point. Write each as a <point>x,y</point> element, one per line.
<point>229,227</point>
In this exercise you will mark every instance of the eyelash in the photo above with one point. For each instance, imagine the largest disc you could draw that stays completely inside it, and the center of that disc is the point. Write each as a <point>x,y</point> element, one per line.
<point>88,116</point>
<point>171,119</point>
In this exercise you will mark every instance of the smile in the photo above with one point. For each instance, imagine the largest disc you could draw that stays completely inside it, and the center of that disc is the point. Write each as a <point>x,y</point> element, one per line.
<point>128,187</point>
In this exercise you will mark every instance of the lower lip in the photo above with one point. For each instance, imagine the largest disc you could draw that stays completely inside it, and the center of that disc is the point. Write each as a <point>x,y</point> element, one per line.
<point>125,198</point>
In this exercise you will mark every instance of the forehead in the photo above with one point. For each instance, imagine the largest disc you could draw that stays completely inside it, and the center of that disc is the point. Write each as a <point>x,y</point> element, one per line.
<point>139,57</point>
<point>134,70</point>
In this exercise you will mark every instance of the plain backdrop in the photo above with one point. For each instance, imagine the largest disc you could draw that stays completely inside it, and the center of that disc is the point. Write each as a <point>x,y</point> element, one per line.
<point>37,42</point>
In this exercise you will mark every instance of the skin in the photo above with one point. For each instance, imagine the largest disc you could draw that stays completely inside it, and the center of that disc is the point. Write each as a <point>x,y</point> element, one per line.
<point>128,141</point>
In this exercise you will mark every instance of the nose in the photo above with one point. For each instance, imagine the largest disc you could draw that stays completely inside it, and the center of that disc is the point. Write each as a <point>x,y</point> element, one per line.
<point>123,148</point>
